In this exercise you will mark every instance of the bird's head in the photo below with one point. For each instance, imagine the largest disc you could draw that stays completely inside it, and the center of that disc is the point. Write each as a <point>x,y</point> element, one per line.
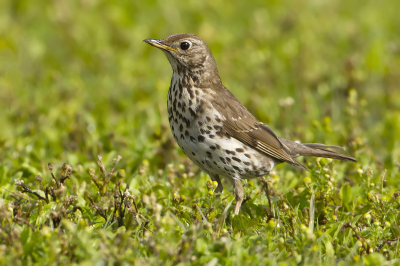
<point>186,53</point>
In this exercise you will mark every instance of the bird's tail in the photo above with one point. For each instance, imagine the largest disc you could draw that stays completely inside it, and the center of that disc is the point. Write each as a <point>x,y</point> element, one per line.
<point>315,149</point>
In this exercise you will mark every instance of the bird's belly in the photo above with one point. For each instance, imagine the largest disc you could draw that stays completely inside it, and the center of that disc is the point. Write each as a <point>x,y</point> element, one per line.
<point>217,153</point>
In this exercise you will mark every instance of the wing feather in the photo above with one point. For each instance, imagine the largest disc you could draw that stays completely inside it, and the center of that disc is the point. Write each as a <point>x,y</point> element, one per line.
<point>243,126</point>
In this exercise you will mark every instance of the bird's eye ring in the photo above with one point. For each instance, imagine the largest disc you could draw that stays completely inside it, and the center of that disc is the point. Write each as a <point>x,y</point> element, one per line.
<point>185,45</point>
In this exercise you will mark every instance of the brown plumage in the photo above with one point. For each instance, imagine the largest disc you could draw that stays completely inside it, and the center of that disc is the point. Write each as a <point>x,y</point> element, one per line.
<point>214,129</point>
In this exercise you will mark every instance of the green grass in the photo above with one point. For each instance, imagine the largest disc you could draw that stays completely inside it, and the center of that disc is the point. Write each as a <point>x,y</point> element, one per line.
<point>76,81</point>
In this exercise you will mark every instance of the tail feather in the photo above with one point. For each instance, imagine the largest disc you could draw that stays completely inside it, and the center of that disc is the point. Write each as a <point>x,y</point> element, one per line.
<point>315,149</point>
<point>322,146</point>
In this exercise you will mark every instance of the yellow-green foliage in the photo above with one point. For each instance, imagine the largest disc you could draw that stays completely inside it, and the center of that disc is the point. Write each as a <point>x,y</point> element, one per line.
<point>76,81</point>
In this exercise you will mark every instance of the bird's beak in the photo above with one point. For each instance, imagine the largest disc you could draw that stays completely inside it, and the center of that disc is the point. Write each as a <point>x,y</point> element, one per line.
<point>159,44</point>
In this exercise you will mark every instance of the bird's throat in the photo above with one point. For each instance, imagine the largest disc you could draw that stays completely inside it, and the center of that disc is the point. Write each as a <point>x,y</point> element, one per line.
<point>199,78</point>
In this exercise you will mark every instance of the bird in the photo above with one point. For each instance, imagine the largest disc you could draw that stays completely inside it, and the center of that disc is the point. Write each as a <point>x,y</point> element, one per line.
<point>214,129</point>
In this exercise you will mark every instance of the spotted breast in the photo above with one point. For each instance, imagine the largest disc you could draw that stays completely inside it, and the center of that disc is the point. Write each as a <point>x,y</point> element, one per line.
<point>197,126</point>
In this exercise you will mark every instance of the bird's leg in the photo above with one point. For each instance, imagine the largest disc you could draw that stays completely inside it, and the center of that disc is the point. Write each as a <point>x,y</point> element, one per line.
<point>239,194</point>
<point>269,199</point>
<point>219,188</point>
<point>266,187</point>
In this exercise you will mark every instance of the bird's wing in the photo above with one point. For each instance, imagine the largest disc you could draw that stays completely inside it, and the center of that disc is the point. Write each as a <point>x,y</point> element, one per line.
<point>243,126</point>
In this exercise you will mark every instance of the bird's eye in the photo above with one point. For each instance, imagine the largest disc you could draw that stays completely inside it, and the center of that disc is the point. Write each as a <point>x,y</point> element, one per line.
<point>185,45</point>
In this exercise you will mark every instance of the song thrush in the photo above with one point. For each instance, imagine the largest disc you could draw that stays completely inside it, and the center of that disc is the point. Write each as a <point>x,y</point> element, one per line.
<point>214,129</point>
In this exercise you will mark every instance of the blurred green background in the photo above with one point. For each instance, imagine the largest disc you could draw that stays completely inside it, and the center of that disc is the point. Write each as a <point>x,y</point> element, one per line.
<point>76,80</point>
